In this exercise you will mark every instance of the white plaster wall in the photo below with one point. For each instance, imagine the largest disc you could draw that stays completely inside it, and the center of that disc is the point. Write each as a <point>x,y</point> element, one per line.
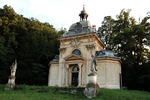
<point>113,70</point>
<point>108,74</point>
<point>101,79</point>
<point>112,73</point>
<point>54,75</point>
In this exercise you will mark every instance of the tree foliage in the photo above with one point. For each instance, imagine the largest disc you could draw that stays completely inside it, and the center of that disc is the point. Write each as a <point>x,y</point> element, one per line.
<point>106,33</point>
<point>129,39</point>
<point>29,41</point>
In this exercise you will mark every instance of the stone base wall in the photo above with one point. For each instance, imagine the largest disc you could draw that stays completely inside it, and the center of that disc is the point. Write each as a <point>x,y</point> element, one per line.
<point>53,75</point>
<point>108,73</point>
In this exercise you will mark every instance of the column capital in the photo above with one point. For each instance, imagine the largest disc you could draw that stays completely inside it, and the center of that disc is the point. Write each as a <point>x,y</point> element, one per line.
<point>79,64</point>
<point>90,47</point>
<point>62,50</point>
<point>67,66</point>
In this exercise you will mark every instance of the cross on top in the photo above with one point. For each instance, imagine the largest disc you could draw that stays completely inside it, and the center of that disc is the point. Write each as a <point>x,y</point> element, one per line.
<point>83,5</point>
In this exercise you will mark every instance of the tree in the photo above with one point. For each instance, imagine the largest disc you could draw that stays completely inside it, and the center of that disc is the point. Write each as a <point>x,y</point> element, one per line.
<point>129,39</point>
<point>29,41</point>
<point>106,33</point>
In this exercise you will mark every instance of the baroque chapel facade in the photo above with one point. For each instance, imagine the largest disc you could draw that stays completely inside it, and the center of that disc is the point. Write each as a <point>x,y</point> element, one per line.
<point>72,66</point>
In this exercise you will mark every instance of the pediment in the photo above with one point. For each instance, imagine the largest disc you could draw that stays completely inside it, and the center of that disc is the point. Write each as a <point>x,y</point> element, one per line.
<point>73,57</point>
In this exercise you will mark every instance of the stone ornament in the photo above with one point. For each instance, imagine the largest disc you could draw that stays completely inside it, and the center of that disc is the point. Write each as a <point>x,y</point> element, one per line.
<point>90,47</point>
<point>75,42</point>
<point>78,28</point>
<point>62,50</point>
<point>11,78</point>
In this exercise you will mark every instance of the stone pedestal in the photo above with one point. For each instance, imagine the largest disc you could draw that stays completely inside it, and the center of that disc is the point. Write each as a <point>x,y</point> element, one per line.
<point>11,83</point>
<point>92,88</point>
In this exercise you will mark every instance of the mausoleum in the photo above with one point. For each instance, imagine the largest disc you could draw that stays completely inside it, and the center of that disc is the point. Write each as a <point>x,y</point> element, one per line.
<point>72,66</point>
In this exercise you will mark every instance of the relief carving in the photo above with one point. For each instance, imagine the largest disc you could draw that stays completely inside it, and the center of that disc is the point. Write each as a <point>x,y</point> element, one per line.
<point>90,47</point>
<point>61,42</point>
<point>85,29</point>
<point>62,50</point>
<point>75,42</point>
<point>78,28</point>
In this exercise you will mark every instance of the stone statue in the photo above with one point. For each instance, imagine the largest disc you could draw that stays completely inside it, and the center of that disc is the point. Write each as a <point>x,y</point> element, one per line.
<point>13,68</point>
<point>11,79</point>
<point>93,65</point>
<point>92,88</point>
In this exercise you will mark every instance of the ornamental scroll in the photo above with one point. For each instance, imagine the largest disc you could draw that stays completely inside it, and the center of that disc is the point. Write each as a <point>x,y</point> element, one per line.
<point>90,47</point>
<point>75,42</point>
<point>62,50</point>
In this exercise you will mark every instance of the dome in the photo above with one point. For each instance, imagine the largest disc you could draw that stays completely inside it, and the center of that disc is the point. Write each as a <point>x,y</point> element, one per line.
<point>82,27</point>
<point>83,23</point>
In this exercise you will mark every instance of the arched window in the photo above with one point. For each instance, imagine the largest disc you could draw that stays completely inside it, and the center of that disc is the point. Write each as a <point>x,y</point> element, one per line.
<point>75,69</point>
<point>76,52</point>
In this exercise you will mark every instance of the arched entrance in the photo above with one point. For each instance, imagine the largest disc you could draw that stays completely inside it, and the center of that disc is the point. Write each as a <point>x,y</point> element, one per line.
<point>75,79</point>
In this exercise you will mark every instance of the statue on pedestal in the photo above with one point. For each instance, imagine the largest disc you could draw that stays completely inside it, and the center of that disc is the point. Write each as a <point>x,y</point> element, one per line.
<point>11,79</point>
<point>93,65</point>
<point>92,88</point>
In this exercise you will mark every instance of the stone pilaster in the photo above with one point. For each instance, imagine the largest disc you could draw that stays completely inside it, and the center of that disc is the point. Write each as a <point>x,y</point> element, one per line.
<point>62,51</point>
<point>79,64</point>
<point>60,75</point>
<point>63,75</point>
<point>67,66</point>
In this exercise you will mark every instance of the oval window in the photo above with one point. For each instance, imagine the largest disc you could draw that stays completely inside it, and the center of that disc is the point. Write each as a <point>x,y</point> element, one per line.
<point>76,52</point>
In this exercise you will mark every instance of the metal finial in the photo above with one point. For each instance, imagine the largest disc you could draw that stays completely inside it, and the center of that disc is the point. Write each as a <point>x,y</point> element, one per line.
<point>83,6</point>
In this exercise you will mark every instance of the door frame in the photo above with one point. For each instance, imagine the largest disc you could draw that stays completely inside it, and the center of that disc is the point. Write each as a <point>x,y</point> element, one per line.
<point>70,73</point>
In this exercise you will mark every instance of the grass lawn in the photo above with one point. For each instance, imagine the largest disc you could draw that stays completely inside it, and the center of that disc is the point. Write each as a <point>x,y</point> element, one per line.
<point>45,93</point>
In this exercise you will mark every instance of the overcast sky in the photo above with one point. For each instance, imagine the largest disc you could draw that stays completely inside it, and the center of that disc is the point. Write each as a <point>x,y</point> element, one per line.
<point>63,13</point>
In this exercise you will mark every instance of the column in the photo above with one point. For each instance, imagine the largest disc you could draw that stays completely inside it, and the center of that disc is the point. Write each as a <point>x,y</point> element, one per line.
<point>79,74</point>
<point>67,66</point>
<point>63,75</point>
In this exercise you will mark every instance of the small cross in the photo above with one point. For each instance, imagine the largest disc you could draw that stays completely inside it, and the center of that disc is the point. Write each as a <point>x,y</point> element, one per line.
<point>83,5</point>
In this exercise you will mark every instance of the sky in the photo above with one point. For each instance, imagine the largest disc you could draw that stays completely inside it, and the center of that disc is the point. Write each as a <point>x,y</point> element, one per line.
<point>63,13</point>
